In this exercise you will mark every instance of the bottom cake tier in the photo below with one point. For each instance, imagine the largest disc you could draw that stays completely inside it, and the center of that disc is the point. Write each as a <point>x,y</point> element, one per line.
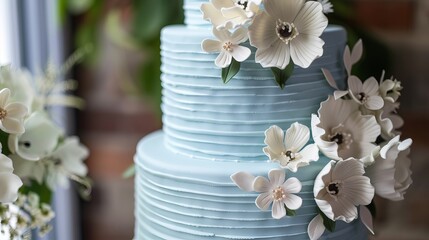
<point>179,197</point>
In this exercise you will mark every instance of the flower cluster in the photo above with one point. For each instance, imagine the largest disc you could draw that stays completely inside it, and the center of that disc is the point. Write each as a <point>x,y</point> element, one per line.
<point>357,130</point>
<point>36,155</point>
<point>284,33</point>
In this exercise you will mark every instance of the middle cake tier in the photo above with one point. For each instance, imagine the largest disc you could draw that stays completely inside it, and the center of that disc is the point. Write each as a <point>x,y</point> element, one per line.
<point>207,119</point>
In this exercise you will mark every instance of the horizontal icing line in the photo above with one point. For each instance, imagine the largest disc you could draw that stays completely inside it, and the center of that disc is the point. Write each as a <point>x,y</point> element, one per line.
<point>211,209</point>
<point>182,229</point>
<point>250,199</point>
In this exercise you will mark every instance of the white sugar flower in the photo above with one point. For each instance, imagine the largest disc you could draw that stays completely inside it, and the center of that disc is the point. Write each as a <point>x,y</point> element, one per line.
<point>390,174</point>
<point>327,6</point>
<point>289,151</point>
<point>39,140</point>
<point>9,182</point>
<point>228,46</point>
<point>288,29</point>
<point>367,93</point>
<point>390,90</point>
<point>341,131</point>
<point>278,192</point>
<point>11,114</point>
<point>230,14</point>
<point>340,187</point>
<point>387,118</point>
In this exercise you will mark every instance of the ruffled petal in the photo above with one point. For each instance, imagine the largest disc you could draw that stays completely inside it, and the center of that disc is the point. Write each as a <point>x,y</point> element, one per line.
<point>210,45</point>
<point>344,210</point>
<point>243,180</point>
<point>277,55</point>
<point>304,49</point>
<point>274,139</point>
<point>213,15</point>
<point>311,20</point>
<point>223,60</point>
<point>319,183</point>
<point>284,10</point>
<point>335,112</point>
<point>296,137</point>
<point>292,201</point>
<point>310,153</point>
<point>240,53</point>
<point>364,128</point>
<point>6,165</point>
<point>278,211</point>
<point>261,35</point>
<point>329,149</point>
<point>222,34</point>
<point>264,200</point>
<point>276,157</point>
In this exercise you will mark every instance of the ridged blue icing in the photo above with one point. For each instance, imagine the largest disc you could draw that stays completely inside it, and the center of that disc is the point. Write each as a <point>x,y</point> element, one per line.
<point>207,119</point>
<point>179,197</point>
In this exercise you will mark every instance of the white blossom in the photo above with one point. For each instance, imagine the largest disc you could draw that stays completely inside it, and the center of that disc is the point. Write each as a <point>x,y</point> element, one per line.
<point>340,187</point>
<point>390,174</point>
<point>327,6</point>
<point>228,46</point>
<point>289,150</point>
<point>288,29</point>
<point>11,113</point>
<point>366,93</point>
<point>9,182</point>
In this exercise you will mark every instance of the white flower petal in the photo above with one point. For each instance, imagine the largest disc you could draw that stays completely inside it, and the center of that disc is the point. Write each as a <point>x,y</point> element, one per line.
<point>292,185</point>
<point>277,55</point>
<point>347,60</point>
<point>9,185</point>
<point>357,52</point>
<point>344,210</point>
<point>240,53</point>
<point>261,36</point>
<point>330,78</point>
<point>370,87</point>
<point>240,35</point>
<point>319,184</point>
<point>346,169</point>
<point>326,208</point>
<point>5,164</point>
<point>329,149</point>
<point>284,10</point>
<point>223,60</point>
<point>364,128</point>
<point>355,85</point>
<point>340,94</point>
<point>278,211</point>
<point>292,201</point>
<point>264,200</point>
<point>335,112</point>
<point>316,228</point>
<point>4,97</point>
<point>222,34</point>
<point>236,16</point>
<point>277,177</point>
<point>210,45</point>
<point>16,110</point>
<point>261,184</point>
<point>72,154</point>
<point>213,15</point>
<point>13,126</point>
<point>374,103</point>
<point>275,156</point>
<point>366,218</point>
<point>310,153</point>
<point>304,49</point>
<point>296,137</point>
<point>358,190</point>
<point>311,20</point>
<point>274,139</point>
<point>243,180</point>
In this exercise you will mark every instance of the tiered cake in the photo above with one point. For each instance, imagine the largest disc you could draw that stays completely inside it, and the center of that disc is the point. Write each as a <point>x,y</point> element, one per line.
<point>213,130</point>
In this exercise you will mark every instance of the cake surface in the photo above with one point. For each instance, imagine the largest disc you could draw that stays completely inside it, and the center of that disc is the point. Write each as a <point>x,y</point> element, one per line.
<point>212,130</point>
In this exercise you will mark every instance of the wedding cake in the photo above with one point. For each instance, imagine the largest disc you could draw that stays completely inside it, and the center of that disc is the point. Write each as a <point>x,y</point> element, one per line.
<point>271,138</point>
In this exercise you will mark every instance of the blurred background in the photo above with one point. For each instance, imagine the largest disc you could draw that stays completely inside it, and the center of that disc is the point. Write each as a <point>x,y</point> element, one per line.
<point>119,80</point>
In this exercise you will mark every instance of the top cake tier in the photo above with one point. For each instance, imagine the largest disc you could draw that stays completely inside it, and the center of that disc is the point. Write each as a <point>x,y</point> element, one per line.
<point>207,119</point>
<point>193,14</point>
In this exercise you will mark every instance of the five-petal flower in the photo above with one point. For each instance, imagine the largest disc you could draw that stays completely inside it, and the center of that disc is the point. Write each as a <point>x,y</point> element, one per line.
<point>288,29</point>
<point>289,150</point>
<point>340,187</point>
<point>367,93</point>
<point>228,46</point>
<point>11,114</point>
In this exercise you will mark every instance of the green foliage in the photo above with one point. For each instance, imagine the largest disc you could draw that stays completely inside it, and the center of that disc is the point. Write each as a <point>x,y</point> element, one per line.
<point>371,207</point>
<point>282,75</point>
<point>4,137</point>
<point>328,223</point>
<point>290,212</point>
<point>229,72</point>
<point>44,192</point>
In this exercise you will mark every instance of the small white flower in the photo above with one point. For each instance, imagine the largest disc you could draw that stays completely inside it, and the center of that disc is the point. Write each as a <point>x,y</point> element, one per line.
<point>327,6</point>
<point>390,174</point>
<point>9,182</point>
<point>228,46</point>
<point>366,94</point>
<point>289,151</point>
<point>390,90</point>
<point>340,187</point>
<point>387,118</point>
<point>21,84</point>
<point>288,29</point>
<point>39,140</point>
<point>278,192</point>
<point>11,114</point>
<point>230,14</point>
<point>341,131</point>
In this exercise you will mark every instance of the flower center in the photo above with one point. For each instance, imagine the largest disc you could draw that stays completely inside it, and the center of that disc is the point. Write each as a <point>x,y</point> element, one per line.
<point>333,188</point>
<point>228,46</point>
<point>286,31</point>
<point>290,155</point>
<point>362,97</point>
<point>3,113</point>
<point>242,3</point>
<point>278,194</point>
<point>340,137</point>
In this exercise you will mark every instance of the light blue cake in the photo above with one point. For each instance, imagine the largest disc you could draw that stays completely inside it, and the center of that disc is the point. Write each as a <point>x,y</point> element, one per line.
<point>212,130</point>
